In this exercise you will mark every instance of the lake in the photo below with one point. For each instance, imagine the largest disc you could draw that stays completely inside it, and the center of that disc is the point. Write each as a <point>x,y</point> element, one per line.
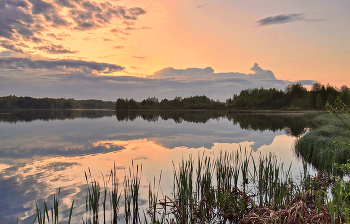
<point>42,151</point>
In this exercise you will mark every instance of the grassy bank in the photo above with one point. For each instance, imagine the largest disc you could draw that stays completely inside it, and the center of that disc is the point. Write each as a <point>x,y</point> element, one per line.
<point>232,187</point>
<point>322,145</point>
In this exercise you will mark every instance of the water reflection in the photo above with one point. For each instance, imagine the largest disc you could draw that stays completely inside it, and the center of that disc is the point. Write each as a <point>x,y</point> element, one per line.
<point>294,124</point>
<point>14,116</point>
<point>38,157</point>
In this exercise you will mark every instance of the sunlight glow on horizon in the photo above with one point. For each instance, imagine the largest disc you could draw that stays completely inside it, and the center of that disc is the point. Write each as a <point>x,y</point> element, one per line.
<point>299,41</point>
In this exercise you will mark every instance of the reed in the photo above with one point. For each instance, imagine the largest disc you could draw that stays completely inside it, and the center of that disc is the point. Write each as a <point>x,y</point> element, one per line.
<point>227,188</point>
<point>55,205</point>
<point>42,216</point>
<point>153,195</point>
<point>93,197</point>
<point>127,200</point>
<point>183,190</point>
<point>131,194</point>
<point>70,212</point>
<point>114,195</point>
<point>104,198</point>
<point>272,182</point>
<point>267,184</point>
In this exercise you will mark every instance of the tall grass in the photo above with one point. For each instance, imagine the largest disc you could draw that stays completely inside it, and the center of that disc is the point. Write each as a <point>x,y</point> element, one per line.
<point>271,185</point>
<point>131,194</point>
<point>114,194</point>
<point>92,198</point>
<point>153,196</point>
<point>321,146</point>
<point>226,188</point>
<point>240,185</point>
<point>42,216</point>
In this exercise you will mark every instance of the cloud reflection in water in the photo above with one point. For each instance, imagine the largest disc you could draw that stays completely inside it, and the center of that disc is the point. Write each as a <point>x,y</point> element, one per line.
<point>39,157</point>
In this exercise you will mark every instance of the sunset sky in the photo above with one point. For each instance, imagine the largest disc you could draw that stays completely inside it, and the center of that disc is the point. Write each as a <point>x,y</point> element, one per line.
<point>131,48</point>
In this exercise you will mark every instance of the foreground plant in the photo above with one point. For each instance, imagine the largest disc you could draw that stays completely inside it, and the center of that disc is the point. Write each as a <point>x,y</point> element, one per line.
<point>216,196</point>
<point>231,188</point>
<point>42,216</point>
<point>340,205</point>
<point>114,194</point>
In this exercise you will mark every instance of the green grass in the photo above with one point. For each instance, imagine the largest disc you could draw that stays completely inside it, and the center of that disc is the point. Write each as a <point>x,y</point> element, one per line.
<point>231,187</point>
<point>321,146</point>
<point>114,195</point>
<point>42,216</point>
<point>226,188</point>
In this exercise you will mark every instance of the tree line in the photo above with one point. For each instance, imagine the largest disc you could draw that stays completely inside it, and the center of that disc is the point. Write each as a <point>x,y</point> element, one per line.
<point>189,103</point>
<point>14,102</point>
<point>294,97</point>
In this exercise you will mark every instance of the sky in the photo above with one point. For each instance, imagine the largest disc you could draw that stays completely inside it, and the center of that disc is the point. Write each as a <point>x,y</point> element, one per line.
<point>93,49</point>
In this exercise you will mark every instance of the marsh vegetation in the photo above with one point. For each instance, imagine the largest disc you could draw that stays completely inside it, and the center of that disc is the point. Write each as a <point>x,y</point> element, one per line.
<point>322,146</point>
<point>232,187</point>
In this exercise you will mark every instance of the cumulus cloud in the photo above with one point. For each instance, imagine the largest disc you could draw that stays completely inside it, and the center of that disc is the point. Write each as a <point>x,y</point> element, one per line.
<point>179,74</point>
<point>285,18</point>
<point>84,80</point>
<point>209,74</point>
<point>262,74</point>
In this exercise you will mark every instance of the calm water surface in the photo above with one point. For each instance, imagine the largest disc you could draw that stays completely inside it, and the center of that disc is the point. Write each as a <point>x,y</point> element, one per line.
<point>41,151</point>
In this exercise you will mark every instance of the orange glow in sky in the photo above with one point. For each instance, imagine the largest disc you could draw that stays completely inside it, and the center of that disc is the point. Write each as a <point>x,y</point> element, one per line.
<point>299,40</point>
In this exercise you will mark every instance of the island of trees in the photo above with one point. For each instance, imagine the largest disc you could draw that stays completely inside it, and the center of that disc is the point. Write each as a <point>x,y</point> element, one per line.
<point>294,97</point>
